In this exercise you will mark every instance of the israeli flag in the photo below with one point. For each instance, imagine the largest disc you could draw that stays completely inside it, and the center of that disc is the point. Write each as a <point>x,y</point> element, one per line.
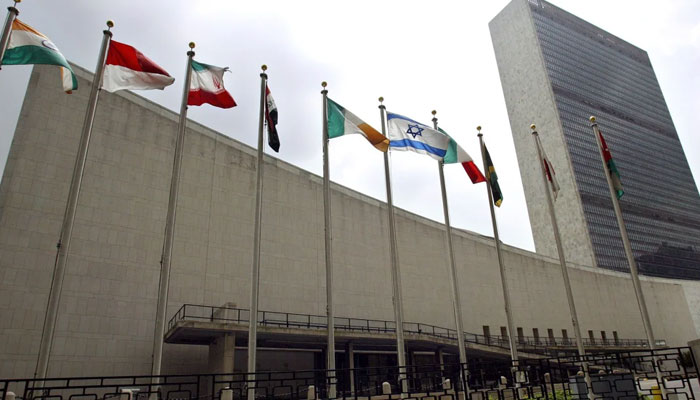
<point>406,134</point>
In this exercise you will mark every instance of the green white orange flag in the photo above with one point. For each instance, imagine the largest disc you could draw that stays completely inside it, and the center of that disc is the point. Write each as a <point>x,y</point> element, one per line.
<point>612,169</point>
<point>456,154</point>
<point>342,122</point>
<point>29,46</point>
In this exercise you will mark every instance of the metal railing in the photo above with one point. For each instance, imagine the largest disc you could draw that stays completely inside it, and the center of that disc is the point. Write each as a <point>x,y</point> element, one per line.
<point>542,345</point>
<point>615,375</point>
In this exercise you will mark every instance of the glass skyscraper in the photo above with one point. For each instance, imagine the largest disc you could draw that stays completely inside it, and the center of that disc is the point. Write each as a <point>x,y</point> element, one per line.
<point>556,71</point>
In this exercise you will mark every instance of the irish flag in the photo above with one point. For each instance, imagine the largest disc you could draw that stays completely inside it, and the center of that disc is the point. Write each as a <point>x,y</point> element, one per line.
<point>128,68</point>
<point>342,122</point>
<point>456,154</point>
<point>207,86</point>
<point>29,46</point>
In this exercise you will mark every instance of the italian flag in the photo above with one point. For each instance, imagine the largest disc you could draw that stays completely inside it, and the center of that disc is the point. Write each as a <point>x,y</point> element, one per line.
<point>456,154</point>
<point>342,122</point>
<point>29,46</point>
<point>207,86</point>
<point>128,68</point>
<point>612,169</point>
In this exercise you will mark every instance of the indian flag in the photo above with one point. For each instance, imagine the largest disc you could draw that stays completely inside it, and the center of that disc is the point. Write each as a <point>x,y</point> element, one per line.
<point>207,86</point>
<point>342,122</point>
<point>29,46</point>
<point>456,154</point>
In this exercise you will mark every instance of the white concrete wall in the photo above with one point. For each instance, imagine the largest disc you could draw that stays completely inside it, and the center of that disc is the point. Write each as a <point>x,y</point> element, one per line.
<point>105,324</point>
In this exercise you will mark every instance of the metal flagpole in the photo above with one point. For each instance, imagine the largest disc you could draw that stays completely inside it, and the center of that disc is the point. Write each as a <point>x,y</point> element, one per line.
<point>330,362</point>
<point>560,249</point>
<point>564,269</point>
<point>255,271</point>
<point>456,303</point>
<point>166,257</point>
<point>12,13</point>
<point>504,281</point>
<point>626,241</point>
<point>395,273</point>
<point>63,245</point>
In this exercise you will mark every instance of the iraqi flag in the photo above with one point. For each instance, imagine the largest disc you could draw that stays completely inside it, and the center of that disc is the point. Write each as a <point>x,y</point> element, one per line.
<point>207,86</point>
<point>406,134</point>
<point>456,154</point>
<point>271,117</point>
<point>549,170</point>
<point>128,68</point>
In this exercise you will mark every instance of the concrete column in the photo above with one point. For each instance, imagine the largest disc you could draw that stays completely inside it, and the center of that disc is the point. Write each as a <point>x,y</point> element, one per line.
<point>350,352</point>
<point>221,353</point>
<point>695,349</point>
<point>440,356</point>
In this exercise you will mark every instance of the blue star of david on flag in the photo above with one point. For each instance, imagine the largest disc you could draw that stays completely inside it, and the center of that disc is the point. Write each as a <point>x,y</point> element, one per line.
<point>414,130</point>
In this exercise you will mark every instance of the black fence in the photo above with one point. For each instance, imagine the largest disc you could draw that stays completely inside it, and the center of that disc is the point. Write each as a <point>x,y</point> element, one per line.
<point>541,345</point>
<point>668,374</point>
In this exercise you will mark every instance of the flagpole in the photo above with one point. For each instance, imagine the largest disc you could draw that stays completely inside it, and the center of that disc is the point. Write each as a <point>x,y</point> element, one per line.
<point>330,362</point>
<point>12,13</point>
<point>626,242</point>
<point>255,271</point>
<point>560,249</point>
<point>504,281</point>
<point>166,257</point>
<point>395,273</point>
<point>63,245</point>
<point>456,303</point>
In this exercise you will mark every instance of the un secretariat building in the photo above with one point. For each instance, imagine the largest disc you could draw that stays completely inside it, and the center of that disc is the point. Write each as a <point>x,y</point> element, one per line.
<point>106,315</point>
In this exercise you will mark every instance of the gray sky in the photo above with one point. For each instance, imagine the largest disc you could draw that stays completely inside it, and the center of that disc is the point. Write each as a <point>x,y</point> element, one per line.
<point>419,55</point>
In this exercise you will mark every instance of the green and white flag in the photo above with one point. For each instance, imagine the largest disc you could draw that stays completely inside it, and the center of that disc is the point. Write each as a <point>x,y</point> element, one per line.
<point>29,46</point>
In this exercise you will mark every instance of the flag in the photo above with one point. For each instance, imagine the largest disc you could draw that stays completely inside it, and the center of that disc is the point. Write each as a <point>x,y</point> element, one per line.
<point>612,169</point>
<point>406,134</point>
<point>456,154</point>
<point>493,179</point>
<point>271,116</point>
<point>342,122</point>
<point>29,46</point>
<point>128,68</point>
<point>549,170</point>
<point>207,86</point>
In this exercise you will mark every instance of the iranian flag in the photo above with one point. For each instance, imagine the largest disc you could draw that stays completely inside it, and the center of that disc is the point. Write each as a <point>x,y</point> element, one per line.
<point>342,122</point>
<point>207,86</point>
<point>128,68</point>
<point>456,154</point>
<point>29,46</point>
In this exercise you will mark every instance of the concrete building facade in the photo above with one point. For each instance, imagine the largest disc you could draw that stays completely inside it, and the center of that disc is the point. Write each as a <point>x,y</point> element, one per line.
<point>107,309</point>
<point>557,70</point>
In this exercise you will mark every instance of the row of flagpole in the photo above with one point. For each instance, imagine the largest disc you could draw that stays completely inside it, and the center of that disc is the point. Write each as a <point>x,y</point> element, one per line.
<point>491,184</point>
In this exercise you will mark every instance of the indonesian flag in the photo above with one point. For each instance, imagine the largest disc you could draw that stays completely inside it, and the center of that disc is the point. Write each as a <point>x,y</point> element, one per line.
<point>456,154</point>
<point>271,116</point>
<point>549,170</point>
<point>207,86</point>
<point>128,68</point>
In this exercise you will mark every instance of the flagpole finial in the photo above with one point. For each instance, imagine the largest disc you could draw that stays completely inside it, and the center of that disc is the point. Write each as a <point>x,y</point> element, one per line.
<point>324,91</point>
<point>110,24</point>
<point>324,84</point>
<point>191,44</point>
<point>478,128</point>
<point>264,67</point>
<point>592,119</point>
<point>433,112</point>
<point>533,127</point>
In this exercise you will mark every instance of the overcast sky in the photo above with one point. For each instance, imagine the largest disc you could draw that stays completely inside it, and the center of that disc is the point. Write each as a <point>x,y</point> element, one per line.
<point>418,55</point>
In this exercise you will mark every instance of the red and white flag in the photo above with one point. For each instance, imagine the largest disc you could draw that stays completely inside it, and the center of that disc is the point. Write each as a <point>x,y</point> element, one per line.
<point>128,68</point>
